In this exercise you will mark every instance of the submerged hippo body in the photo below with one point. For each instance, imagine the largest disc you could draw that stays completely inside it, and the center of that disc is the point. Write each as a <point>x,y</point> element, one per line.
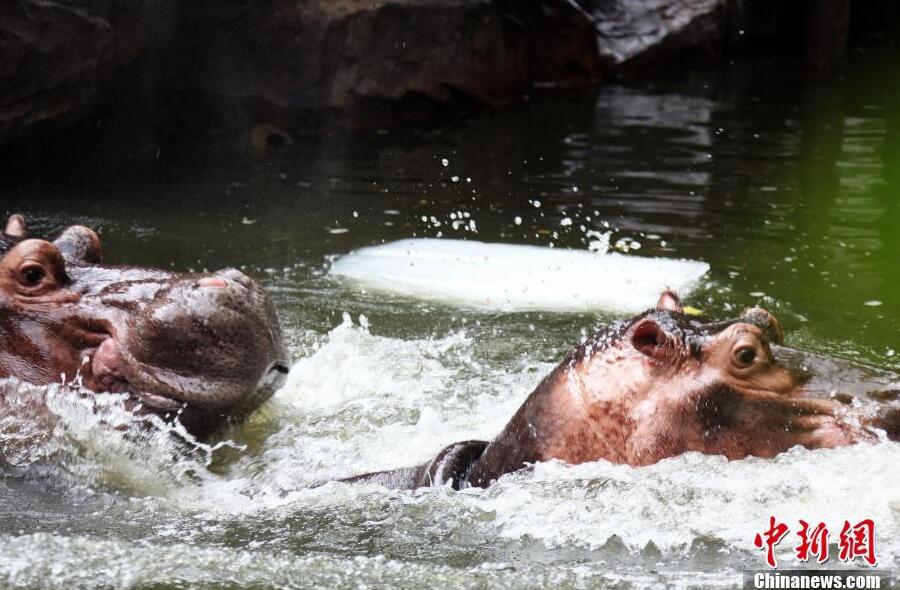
<point>655,386</point>
<point>203,347</point>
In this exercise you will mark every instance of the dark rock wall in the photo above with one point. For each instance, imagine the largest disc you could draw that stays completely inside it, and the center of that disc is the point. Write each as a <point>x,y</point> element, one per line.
<point>287,62</point>
<point>332,55</point>
<point>58,59</point>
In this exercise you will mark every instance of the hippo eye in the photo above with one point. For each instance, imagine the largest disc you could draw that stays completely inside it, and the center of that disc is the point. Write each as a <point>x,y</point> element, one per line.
<point>745,356</point>
<point>32,275</point>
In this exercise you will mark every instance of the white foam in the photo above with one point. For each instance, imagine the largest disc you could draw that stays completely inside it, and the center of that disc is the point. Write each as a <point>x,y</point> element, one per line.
<point>364,401</point>
<point>516,277</point>
<point>674,502</point>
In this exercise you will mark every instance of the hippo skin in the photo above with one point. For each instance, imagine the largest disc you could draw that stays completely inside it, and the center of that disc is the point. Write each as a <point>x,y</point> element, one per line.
<point>656,386</point>
<point>202,347</point>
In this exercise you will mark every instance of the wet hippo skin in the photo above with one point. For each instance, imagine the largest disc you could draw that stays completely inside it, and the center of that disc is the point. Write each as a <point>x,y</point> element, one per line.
<point>205,347</point>
<point>655,386</point>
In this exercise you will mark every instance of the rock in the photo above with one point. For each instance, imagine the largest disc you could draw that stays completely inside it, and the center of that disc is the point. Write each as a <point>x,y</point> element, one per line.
<point>333,54</point>
<point>561,40</point>
<point>627,30</point>
<point>287,62</point>
<point>60,58</point>
<point>268,138</point>
<point>349,55</point>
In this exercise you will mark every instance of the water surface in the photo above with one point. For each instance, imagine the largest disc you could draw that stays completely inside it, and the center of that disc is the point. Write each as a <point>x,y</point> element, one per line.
<point>790,191</point>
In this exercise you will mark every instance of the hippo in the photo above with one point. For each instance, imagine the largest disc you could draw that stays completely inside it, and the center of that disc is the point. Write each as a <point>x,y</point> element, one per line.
<point>655,386</point>
<point>201,347</point>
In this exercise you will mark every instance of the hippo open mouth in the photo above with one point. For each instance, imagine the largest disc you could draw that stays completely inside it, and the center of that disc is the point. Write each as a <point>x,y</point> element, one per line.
<point>204,346</point>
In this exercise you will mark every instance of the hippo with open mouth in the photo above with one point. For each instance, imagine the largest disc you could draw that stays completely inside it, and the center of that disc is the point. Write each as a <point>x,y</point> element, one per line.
<point>655,386</point>
<point>204,347</point>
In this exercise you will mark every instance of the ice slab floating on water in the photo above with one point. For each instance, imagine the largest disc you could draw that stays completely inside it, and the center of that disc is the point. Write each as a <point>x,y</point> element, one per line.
<point>516,277</point>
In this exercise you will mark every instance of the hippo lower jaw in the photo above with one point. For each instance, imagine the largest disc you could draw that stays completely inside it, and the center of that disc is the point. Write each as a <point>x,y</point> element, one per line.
<point>113,369</point>
<point>108,369</point>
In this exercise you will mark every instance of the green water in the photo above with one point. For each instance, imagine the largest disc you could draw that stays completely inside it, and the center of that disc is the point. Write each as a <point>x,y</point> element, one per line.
<point>786,188</point>
<point>790,191</point>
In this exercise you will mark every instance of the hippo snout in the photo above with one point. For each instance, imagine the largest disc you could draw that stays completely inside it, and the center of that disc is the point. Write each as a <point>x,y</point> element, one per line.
<point>205,346</point>
<point>209,342</point>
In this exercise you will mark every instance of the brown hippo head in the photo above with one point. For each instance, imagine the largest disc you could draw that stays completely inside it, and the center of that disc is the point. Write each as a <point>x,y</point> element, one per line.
<point>207,346</point>
<point>655,386</point>
<point>662,384</point>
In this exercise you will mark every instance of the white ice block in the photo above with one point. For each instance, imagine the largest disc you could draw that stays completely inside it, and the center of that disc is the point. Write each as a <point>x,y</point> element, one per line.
<point>514,277</point>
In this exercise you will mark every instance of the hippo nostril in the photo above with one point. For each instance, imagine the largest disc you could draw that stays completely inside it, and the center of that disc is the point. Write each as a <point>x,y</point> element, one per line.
<point>106,366</point>
<point>649,338</point>
<point>213,283</point>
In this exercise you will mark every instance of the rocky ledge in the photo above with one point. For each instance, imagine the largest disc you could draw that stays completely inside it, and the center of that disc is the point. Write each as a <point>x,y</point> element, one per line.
<point>279,60</point>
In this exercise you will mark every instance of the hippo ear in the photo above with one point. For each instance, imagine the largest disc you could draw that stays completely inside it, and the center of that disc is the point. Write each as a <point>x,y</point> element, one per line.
<point>15,226</point>
<point>80,245</point>
<point>766,321</point>
<point>669,300</point>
